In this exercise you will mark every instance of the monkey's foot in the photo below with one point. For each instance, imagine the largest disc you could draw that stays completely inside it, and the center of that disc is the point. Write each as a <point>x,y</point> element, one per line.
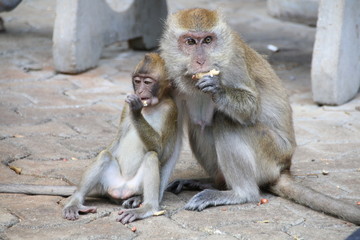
<point>127,216</point>
<point>132,202</point>
<point>210,197</point>
<point>178,186</point>
<point>130,215</point>
<point>72,212</point>
<point>201,201</point>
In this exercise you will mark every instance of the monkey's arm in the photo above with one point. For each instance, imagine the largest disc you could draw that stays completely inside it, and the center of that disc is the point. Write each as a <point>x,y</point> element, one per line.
<point>169,127</point>
<point>153,140</point>
<point>149,136</point>
<point>240,103</point>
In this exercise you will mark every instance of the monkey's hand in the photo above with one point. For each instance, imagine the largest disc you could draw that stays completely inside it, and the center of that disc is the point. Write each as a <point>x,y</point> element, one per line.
<point>72,212</point>
<point>209,84</point>
<point>178,186</point>
<point>132,202</point>
<point>134,102</point>
<point>130,215</point>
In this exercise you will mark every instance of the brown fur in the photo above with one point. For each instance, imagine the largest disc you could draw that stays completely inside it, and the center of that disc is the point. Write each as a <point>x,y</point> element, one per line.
<point>197,19</point>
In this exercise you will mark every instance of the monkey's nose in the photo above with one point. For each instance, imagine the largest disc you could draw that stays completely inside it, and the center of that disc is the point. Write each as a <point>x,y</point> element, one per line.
<point>200,61</point>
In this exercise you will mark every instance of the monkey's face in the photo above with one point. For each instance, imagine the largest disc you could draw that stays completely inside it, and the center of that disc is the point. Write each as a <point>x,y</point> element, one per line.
<point>146,88</point>
<point>197,46</point>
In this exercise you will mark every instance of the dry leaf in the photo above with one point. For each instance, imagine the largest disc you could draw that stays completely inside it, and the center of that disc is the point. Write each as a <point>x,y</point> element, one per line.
<point>264,221</point>
<point>15,169</point>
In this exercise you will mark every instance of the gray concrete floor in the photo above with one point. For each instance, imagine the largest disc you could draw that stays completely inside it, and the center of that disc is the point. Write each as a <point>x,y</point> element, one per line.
<point>53,125</point>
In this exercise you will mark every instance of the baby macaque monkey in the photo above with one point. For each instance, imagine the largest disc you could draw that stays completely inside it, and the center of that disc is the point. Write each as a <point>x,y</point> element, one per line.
<point>137,163</point>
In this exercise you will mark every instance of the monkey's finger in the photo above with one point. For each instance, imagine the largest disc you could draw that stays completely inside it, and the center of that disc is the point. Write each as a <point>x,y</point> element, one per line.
<point>132,202</point>
<point>85,209</point>
<point>207,80</point>
<point>132,98</point>
<point>122,214</point>
<point>129,97</point>
<point>209,89</point>
<point>175,187</point>
<point>132,218</point>
<point>196,205</point>
<point>179,188</point>
<point>203,200</point>
<point>72,216</point>
<point>125,217</point>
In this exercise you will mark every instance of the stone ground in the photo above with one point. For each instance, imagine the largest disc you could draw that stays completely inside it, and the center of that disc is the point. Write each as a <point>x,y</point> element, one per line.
<point>53,125</point>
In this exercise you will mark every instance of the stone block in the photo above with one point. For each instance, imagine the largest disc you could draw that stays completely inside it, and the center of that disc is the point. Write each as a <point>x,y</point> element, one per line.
<point>300,11</point>
<point>83,27</point>
<point>335,70</point>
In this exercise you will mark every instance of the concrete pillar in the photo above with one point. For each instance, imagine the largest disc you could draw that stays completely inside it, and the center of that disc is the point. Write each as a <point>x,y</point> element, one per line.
<point>83,27</point>
<point>335,70</point>
<point>300,11</point>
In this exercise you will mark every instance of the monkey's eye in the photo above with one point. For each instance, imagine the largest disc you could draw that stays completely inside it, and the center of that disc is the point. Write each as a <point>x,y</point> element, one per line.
<point>148,81</point>
<point>207,40</point>
<point>190,41</point>
<point>137,80</point>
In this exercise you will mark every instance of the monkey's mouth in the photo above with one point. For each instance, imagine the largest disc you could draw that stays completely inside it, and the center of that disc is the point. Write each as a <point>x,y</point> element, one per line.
<point>145,101</point>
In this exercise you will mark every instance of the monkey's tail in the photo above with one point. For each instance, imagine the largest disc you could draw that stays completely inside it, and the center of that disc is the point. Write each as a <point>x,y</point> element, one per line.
<point>31,189</point>
<point>286,187</point>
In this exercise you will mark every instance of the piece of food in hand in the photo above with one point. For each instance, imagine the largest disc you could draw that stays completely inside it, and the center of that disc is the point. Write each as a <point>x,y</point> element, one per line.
<point>159,213</point>
<point>145,103</point>
<point>211,73</point>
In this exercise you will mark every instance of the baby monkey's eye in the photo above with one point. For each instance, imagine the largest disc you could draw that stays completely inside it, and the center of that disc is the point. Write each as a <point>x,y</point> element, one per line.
<point>137,80</point>
<point>190,41</point>
<point>207,40</point>
<point>147,82</point>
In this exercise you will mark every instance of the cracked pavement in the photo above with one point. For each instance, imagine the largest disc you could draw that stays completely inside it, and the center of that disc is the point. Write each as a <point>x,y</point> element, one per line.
<point>53,125</point>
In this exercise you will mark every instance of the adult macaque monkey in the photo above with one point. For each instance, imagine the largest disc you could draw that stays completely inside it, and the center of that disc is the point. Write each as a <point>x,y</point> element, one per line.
<point>238,116</point>
<point>138,162</point>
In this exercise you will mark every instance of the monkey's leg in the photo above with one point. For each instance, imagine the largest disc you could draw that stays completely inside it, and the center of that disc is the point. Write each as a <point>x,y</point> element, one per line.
<point>88,181</point>
<point>236,159</point>
<point>151,187</point>
<point>168,167</point>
